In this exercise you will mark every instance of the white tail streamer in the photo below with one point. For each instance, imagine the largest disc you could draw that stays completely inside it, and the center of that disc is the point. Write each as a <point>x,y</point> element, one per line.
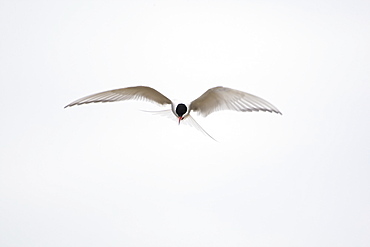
<point>164,113</point>
<point>188,120</point>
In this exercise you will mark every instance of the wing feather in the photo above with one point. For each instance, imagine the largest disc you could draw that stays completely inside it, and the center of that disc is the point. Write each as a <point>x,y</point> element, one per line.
<point>129,93</point>
<point>222,98</point>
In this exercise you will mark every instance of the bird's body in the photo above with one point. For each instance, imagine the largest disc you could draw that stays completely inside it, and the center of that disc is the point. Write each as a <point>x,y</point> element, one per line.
<point>214,99</point>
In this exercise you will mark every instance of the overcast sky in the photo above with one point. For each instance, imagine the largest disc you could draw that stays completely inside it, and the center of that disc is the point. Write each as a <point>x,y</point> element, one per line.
<point>113,175</point>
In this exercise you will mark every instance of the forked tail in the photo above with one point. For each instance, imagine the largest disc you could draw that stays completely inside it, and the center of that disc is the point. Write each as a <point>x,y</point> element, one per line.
<point>188,120</point>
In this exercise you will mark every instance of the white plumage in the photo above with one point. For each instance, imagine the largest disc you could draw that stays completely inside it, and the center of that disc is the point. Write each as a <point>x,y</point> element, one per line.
<point>214,99</point>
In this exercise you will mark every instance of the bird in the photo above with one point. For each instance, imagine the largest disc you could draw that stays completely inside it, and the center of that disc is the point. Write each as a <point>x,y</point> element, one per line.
<point>214,99</point>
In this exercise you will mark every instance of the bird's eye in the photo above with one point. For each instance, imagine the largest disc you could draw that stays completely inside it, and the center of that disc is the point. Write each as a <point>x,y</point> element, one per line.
<point>181,109</point>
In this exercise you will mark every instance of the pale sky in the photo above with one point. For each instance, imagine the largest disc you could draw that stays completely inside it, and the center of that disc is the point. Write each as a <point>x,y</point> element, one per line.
<point>113,175</point>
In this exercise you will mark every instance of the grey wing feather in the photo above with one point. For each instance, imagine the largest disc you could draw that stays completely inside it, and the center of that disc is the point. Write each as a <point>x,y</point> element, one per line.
<point>222,98</point>
<point>138,93</point>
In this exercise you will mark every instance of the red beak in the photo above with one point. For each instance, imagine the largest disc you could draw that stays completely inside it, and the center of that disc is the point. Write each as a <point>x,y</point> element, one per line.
<point>180,118</point>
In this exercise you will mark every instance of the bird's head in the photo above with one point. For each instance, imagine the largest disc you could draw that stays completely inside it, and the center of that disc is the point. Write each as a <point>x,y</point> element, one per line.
<point>181,111</point>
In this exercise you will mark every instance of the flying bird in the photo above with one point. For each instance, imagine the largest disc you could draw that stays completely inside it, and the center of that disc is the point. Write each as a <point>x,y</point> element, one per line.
<point>214,99</point>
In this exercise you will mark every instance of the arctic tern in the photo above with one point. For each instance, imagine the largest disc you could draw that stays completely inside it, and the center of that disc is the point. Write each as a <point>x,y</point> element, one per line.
<point>214,99</point>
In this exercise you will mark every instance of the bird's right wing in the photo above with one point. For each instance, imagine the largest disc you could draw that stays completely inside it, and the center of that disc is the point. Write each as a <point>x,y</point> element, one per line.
<point>222,98</point>
<point>139,93</point>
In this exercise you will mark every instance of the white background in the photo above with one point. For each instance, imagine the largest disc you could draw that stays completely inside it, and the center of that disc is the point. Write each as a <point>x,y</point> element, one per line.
<point>112,175</point>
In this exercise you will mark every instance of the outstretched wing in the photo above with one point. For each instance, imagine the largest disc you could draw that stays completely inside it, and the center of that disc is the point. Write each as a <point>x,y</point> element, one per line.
<point>222,98</point>
<point>128,93</point>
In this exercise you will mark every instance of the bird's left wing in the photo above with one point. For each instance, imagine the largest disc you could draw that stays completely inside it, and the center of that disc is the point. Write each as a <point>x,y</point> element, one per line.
<point>139,93</point>
<point>222,98</point>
